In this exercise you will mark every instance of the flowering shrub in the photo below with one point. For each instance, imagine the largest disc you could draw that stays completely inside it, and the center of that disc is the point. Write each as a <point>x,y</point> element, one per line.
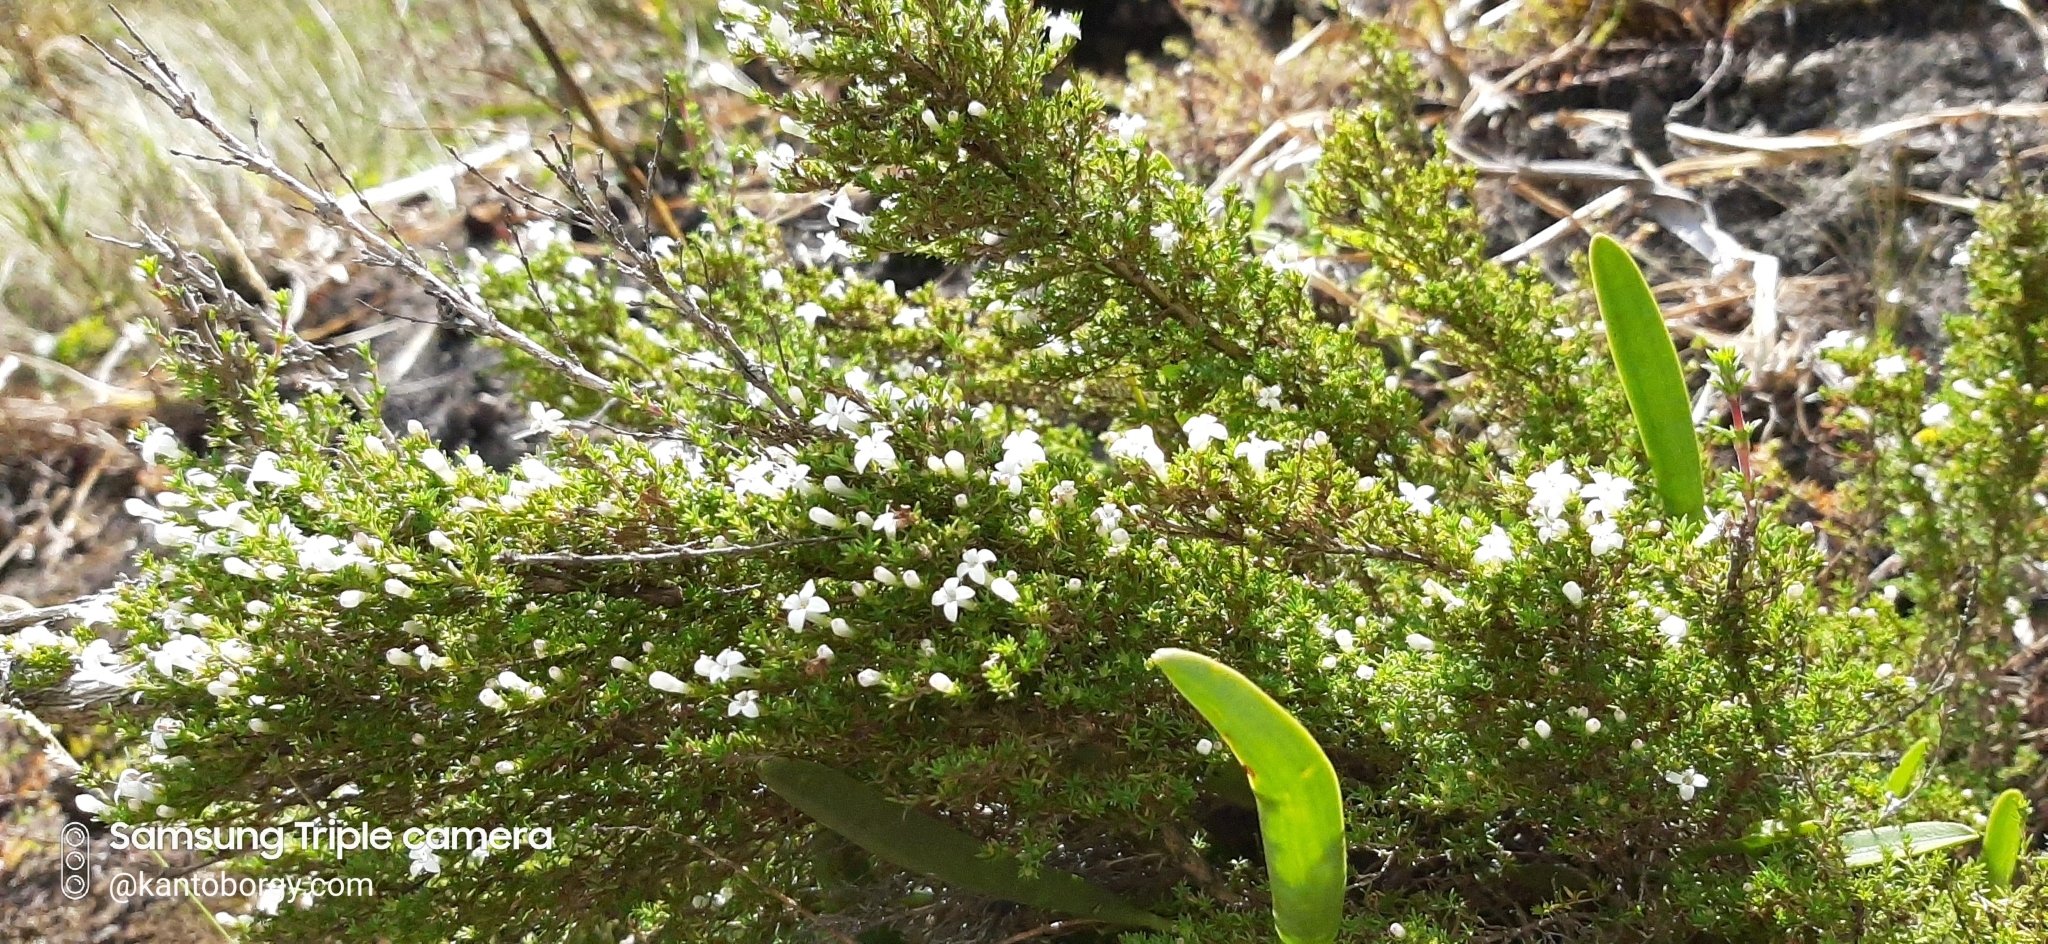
<point>930,539</point>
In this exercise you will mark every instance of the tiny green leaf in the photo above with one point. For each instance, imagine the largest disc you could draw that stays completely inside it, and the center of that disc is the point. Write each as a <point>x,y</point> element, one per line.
<point>1907,773</point>
<point>1301,812</point>
<point>1865,847</point>
<point>2004,835</point>
<point>1648,363</point>
<point>911,840</point>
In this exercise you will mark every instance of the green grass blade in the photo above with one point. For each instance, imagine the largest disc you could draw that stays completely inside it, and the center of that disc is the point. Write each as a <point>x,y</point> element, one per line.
<point>1648,363</point>
<point>2004,835</point>
<point>1907,773</point>
<point>911,840</point>
<point>1865,847</point>
<point>1301,813</point>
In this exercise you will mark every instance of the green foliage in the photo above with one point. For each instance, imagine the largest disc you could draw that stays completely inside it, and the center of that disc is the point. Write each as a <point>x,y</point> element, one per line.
<point>1301,815</point>
<point>943,569</point>
<point>1648,364</point>
<point>2005,833</point>
<point>1907,773</point>
<point>917,842</point>
<point>1867,847</point>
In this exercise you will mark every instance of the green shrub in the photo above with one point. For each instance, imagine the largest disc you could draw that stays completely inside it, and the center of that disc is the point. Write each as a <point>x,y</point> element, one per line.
<point>942,567</point>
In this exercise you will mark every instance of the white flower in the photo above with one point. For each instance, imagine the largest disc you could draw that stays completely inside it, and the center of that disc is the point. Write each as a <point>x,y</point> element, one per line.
<point>438,464</point>
<point>730,664</point>
<point>868,678</point>
<point>264,471</point>
<point>491,699</point>
<point>350,599</point>
<point>842,414</point>
<point>1606,537</point>
<point>239,568</point>
<point>1419,497</point>
<point>1205,747</point>
<point>1688,782</point>
<point>397,587</point>
<point>1127,126</point>
<point>1203,430</point>
<point>1420,643</point>
<point>1002,587</point>
<point>160,442</point>
<point>1674,629</point>
<point>1022,452</point>
<point>1888,367</point>
<point>425,859</point>
<point>667,683</point>
<point>441,541</point>
<point>1542,729</point>
<point>398,657</point>
<point>805,604</point>
<point>840,212</point>
<point>1062,26</point>
<point>1592,725</point>
<point>1550,489</point>
<point>825,518</point>
<point>546,420</point>
<point>1573,593</point>
<point>746,703</point>
<point>1936,415</point>
<point>943,683</point>
<point>949,597</point>
<point>1606,496</point>
<point>974,565</point>
<point>874,449</point>
<point>1495,548</point>
<point>1255,450</point>
<point>1451,600</point>
<point>888,523</point>
<point>1167,235</point>
<point>1137,444</point>
<point>977,109</point>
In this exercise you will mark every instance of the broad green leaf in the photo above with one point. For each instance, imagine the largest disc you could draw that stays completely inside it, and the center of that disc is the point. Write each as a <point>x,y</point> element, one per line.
<point>1872,846</point>
<point>1907,773</point>
<point>911,840</point>
<point>1648,363</point>
<point>2004,834</point>
<point>1301,813</point>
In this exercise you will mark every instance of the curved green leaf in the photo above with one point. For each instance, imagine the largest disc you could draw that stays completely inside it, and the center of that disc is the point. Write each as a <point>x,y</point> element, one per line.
<point>911,840</point>
<point>1864,847</point>
<point>1648,363</point>
<point>1907,773</point>
<point>2004,834</point>
<point>1301,813</point>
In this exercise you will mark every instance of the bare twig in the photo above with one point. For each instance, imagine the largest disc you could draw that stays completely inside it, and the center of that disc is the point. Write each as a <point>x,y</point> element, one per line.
<point>657,554</point>
<point>155,75</point>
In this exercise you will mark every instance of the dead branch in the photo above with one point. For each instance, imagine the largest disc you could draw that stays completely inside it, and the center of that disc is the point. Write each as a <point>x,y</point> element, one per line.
<point>155,75</point>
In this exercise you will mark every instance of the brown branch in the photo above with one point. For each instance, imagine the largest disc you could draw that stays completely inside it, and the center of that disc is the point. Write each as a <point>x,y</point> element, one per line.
<point>573,91</point>
<point>655,555</point>
<point>154,74</point>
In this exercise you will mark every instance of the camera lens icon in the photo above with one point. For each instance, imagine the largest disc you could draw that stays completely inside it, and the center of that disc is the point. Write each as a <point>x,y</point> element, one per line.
<point>76,876</point>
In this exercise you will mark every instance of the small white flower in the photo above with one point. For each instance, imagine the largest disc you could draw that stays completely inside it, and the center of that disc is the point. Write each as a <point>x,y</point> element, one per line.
<point>397,587</point>
<point>667,683</point>
<point>825,518</point>
<point>805,605</point>
<point>868,678</point>
<point>161,442</point>
<point>950,596</point>
<point>1395,930</point>
<point>239,568</point>
<point>1606,538</point>
<point>746,703</point>
<point>441,541</point>
<point>1060,27</point>
<point>1419,497</point>
<point>841,212</point>
<point>842,628</point>
<point>1167,235</point>
<point>398,657</point>
<point>1937,415</point>
<point>350,599</point>
<point>730,664</point>
<point>438,464</point>
<point>943,683</point>
<point>425,859</point>
<point>1592,725</point>
<point>1137,445</point>
<point>842,414</point>
<point>265,471</point>
<point>1689,782</point>
<point>1573,593</point>
<point>1127,126</point>
<point>874,449</point>
<point>1003,588</point>
<point>1203,430</point>
<point>1495,548</point>
<point>1255,450</point>
<point>1420,643</point>
<point>974,565</point>
<point>1888,367</point>
<point>1674,629</point>
<point>912,580</point>
<point>1542,729</point>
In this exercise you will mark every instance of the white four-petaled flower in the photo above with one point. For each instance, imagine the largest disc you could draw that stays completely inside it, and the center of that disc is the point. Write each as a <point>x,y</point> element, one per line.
<point>1419,497</point>
<point>1689,782</point>
<point>1255,450</point>
<point>1495,548</point>
<point>1203,430</point>
<point>950,596</point>
<point>730,664</point>
<point>805,605</point>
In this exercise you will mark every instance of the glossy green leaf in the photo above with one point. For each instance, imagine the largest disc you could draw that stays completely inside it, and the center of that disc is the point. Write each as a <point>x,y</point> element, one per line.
<point>1301,813</point>
<point>911,840</point>
<point>1865,847</point>
<point>1648,363</point>
<point>2004,835</point>
<point>1907,773</point>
